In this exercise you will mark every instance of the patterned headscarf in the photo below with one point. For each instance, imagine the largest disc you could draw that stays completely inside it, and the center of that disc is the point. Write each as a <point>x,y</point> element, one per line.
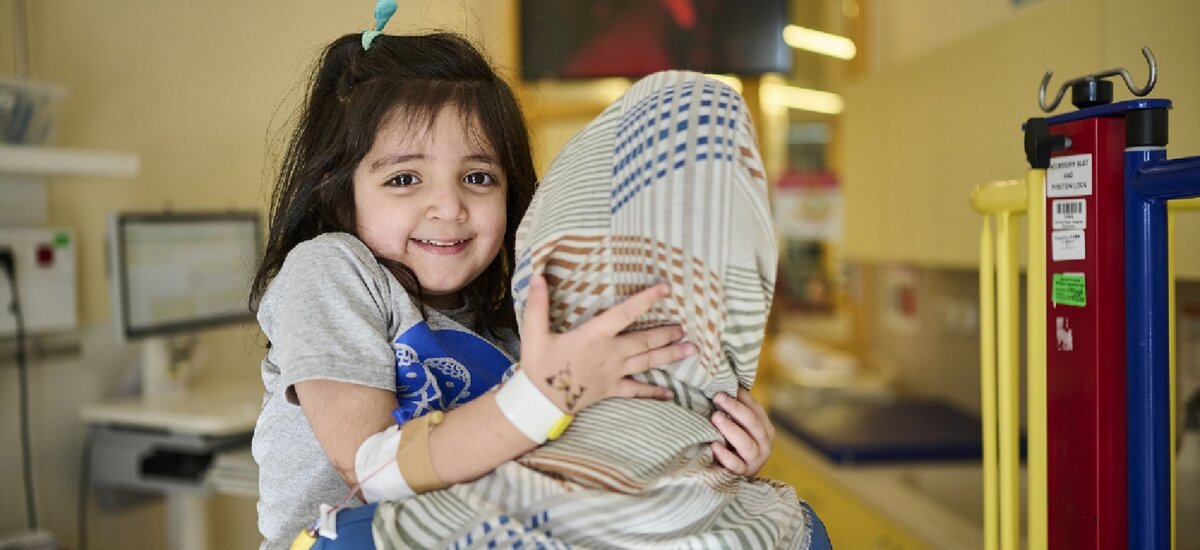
<point>665,185</point>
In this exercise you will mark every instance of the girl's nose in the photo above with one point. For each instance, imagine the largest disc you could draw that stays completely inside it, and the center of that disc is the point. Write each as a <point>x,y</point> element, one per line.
<point>447,204</point>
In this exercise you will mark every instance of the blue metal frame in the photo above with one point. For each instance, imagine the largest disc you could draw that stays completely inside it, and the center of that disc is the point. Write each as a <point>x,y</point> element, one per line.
<point>1112,109</point>
<point>1150,181</point>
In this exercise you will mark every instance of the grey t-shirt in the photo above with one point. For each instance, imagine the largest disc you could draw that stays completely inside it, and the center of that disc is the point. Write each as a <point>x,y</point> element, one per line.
<point>332,312</point>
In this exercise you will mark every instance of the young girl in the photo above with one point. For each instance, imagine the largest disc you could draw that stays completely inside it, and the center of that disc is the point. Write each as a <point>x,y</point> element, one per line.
<point>386,272</point>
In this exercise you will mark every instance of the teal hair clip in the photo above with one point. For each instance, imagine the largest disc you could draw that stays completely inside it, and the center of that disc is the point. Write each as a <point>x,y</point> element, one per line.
<point>384,10</point>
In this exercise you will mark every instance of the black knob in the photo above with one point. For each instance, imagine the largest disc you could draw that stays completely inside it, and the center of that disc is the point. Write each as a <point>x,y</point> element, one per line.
<point>1090,93</point>
<point>1146,127</point>
<point>1039,143</point>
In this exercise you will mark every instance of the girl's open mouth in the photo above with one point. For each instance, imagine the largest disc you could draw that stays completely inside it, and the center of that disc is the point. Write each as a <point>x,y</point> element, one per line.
<point>436,246</point>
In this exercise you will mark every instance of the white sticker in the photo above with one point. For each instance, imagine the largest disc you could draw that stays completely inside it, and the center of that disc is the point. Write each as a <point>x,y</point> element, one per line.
<point>1067,245</point>
<point>1063,334</point>
<point>1068,214</point>
<point>1069,176</point>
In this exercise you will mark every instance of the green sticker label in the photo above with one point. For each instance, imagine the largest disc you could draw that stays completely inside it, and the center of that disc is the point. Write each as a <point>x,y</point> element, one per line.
<point>1069,289</point>
<point>62,239</point>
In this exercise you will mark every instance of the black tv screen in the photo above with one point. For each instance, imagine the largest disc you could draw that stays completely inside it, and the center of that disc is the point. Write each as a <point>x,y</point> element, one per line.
<point>633,38</point>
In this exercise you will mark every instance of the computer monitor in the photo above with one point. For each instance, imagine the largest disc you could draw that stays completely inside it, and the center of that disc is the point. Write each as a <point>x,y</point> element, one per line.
<point>174,274</point>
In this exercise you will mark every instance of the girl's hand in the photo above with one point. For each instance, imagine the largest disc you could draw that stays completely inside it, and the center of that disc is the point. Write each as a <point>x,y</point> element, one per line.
<point>747,430</point>
<point>593,361</point>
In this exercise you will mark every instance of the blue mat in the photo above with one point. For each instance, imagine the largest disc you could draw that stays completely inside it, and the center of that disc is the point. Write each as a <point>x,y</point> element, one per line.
<point>867,432</point>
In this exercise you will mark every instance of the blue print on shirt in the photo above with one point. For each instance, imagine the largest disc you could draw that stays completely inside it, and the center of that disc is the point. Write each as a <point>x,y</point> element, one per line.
<point>442,369</point>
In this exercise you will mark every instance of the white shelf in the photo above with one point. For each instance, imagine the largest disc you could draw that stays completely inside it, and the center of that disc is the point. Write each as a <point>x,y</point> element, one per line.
<point>57,161</point>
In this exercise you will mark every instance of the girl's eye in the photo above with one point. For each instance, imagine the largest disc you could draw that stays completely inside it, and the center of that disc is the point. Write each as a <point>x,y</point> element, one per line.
<point>480,178</point>
<point>403,180</point>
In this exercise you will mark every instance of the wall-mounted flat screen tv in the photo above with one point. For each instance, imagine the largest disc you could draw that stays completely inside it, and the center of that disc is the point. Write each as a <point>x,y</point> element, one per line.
<point>632,38</point>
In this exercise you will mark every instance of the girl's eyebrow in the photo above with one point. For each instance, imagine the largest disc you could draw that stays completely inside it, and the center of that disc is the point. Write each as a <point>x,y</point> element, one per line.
<point>395,159</point>
<point>481,157</point>
<point>400,159</point>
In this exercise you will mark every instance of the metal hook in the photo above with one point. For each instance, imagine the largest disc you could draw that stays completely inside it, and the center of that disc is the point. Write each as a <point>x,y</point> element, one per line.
<point>1119,71</point>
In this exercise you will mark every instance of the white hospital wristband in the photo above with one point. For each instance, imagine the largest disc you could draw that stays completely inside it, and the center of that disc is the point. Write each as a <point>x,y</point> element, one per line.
<point>534,414</point>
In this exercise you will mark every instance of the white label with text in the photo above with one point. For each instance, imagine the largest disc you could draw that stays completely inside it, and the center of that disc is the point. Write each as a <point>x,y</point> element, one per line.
<point>1067,245</point>
<point>1069,176</point>
<point>1068,214</point>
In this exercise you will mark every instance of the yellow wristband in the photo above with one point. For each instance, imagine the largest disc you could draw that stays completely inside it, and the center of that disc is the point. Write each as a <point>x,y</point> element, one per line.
<point>559,426</point>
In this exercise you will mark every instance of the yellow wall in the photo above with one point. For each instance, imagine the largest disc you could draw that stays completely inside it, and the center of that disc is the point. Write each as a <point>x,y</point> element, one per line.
<point>195,89</point>
<point>919,136</point>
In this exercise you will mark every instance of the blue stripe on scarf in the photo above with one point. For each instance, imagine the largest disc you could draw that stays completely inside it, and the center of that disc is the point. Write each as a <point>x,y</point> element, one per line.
<point>634,141</point>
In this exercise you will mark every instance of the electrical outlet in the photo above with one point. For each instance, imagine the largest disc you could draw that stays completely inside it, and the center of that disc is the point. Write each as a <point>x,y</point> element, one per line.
<point>45,271</point>
<point>959,317</point>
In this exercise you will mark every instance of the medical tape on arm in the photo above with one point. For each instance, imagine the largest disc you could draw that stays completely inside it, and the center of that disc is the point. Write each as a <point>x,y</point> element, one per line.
<point>395,463</point>
<point>413,459</point>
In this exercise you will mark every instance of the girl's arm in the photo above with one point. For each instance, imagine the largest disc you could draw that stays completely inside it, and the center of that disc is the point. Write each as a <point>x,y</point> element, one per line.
<point>473,439</point>
<point>591,363</point>
<point>342,415</point>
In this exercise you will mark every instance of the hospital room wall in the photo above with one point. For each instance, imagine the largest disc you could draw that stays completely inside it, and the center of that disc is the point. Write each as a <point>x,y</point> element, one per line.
<point>199,91</point>
<point>921,133</point>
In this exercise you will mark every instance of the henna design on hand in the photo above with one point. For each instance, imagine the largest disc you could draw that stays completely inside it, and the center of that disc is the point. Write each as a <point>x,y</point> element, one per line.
<point>562,382</point>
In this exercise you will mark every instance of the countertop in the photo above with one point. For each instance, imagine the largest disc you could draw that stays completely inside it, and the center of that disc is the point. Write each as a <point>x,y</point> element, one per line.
<point>939,502</point>
<point>883,431</point>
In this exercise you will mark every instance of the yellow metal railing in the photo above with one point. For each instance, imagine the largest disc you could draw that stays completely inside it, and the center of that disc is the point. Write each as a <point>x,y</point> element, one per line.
<point>1001,204</point>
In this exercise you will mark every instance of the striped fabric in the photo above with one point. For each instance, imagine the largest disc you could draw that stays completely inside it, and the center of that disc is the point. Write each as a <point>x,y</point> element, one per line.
<point>665,185</point>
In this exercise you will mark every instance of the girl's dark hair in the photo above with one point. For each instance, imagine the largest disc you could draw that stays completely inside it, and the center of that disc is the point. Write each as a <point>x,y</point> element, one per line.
<point>353,92</point>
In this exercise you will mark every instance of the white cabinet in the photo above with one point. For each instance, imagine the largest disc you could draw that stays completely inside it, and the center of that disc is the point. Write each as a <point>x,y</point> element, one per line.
<point>58,161</point>
<point>24,169</point>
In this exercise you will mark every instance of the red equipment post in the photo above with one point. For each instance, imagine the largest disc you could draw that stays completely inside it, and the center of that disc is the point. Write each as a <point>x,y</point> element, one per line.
<point>1085,326</point>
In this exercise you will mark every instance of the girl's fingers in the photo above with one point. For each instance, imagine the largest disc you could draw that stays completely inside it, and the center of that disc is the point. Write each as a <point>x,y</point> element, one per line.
<point>633,343</point>
<point>744,397</point>
<point>629,387</point>
<point>729,459</point>
<point>619,317</point>
<point>658,357</point>
<point>742,414</point>
<point>746,418</point>
<point>739,438</point>
<point>537,307</point>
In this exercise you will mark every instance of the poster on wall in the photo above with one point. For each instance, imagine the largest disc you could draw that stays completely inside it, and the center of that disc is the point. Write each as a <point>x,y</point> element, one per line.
<point>808,205</point>
<point>900,298</point>
<point>808,212</point>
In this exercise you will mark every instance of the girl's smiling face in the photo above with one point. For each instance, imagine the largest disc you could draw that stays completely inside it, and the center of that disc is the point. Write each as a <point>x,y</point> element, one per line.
<point>432,197</point>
